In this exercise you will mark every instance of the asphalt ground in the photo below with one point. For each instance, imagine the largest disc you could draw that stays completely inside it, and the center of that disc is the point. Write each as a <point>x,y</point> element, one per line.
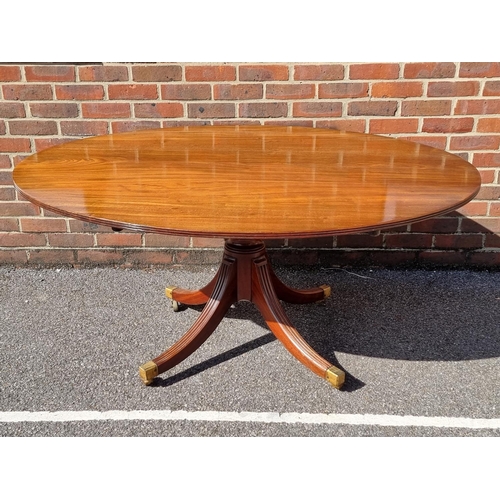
<point>420,350</point>
<point>414,344</point>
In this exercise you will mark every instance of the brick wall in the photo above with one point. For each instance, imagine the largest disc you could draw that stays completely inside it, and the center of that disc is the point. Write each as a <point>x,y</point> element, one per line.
<point>451,106</point>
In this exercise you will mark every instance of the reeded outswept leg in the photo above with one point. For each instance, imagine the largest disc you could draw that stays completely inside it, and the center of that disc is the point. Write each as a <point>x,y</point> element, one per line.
<point>220,300</point>
<point>298,296</point>
<point>266,299</point>
<point>192,297</point>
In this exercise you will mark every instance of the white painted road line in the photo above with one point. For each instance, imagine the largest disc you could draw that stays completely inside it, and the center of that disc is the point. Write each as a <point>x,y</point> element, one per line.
<point>260,417</point>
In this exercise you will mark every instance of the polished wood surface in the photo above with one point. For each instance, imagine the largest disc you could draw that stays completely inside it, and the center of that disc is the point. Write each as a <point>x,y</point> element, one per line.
<point>246,181</point>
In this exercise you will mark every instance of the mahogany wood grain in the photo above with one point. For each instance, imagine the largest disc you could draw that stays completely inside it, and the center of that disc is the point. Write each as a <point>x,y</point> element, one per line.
<point>246,181</point>
<point>246,184</point>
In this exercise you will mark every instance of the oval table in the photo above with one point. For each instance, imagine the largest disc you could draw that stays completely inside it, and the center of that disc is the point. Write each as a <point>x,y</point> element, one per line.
<point>246,184</point>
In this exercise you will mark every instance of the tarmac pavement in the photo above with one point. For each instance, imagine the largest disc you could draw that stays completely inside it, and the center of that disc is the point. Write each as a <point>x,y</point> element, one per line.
<point>420,350</point>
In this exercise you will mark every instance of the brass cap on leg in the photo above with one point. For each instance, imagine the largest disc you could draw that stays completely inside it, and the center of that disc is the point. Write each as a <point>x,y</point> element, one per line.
<point>169,290</point>
<point>326,290</point>
<point>335,376</point>
<point>148,371</point>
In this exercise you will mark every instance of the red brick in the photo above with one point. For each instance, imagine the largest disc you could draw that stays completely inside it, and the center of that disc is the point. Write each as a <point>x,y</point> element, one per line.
<point>318,72</point>
<point>492,88</point>
<point>474,208</point>
<point>197,257</point>
<point>187,123</point>
<point>210,73</point>
<point>374,71</point>
<point>51,256</point>
<point>71,240</point>
<point>157,73</point>
<point>22,240</point>
<point>84,128</point>
<point>317,109</point>
<point>129,126</point>
<point>165,240</point>
<point>475,142</point>
<point>393,125</point>
<point>319,242</point>
<point>458,241</point>
<point>9,224</point>
<point>344,124</point>
<point>106,110</point>
<point>488,125</point>
<point>489,193</point>
<point>486,160</point>
<point>42,225</point>
<point>79,92</point>
<point>263,110</point>
<point>376,108</point>
<point>237,92</point>
<point>10,73</point>
<point>159,110</point>
<point>54,110</point>
<point>440,257</point>
<point>477,106</point>
<point>408,240</point>
<point>103,73</point>
<point>148,257</point>
<point>487,259</point>
<point>487,176</point>
<point>429,70</point>
<point>290,91</point>
<point>484,224</point>
<point>425,108</point>
<point>2,127</point>
<point>27,92</point>
<point>436,225</point>
<point>199,242</point>
<point>100,256</point>
<point>452,89</point>
<point>119,239</point>
<point>211,110</point>
<point>12,110</point>
<point>479,69</point>
<point>360,241</point>
<point>438,142</point>
<point>133,91</point>
<point>186,92</point>
<point>18,257</point>
<point>397,89</point>
<point>41,144</point>
<point>492,241</point>
<point>8,145</point>
<point>262,73</point>
<point>342,90</point>
<point>286,123</point>
<point>4,163</point>
<point>447,125</point>
<point>79,226</point>
<point>50,73</point>
<point>494,210</point>
<point>7,194</point>
<point>33,127</point>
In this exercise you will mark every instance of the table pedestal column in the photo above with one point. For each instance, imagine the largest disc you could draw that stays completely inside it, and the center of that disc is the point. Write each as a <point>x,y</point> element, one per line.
<point>245,274</point>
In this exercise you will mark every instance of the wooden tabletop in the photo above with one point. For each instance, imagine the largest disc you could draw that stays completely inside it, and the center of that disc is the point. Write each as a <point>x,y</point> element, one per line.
<point>246,181</point>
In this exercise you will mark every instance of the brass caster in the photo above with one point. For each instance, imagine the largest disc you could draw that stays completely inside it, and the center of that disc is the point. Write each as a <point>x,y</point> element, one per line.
<point>169,290</point>
<point>148,371</point>
<point>176,306</point>
<point>335,376</point>
<point>326,290</point>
